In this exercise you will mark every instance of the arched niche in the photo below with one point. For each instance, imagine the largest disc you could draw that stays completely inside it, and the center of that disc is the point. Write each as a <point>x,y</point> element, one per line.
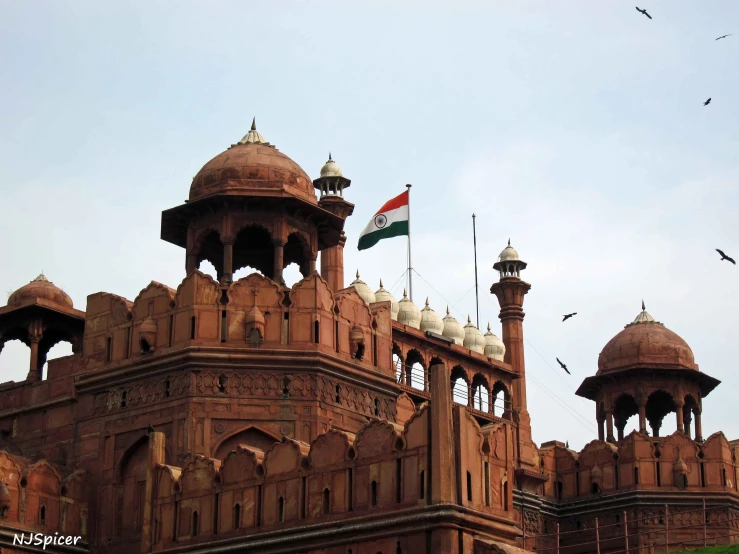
<point>252,437</point>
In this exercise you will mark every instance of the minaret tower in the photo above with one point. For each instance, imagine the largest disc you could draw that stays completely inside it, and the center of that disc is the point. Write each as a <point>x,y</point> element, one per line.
<point>510,290</point>
<point>331,185</point>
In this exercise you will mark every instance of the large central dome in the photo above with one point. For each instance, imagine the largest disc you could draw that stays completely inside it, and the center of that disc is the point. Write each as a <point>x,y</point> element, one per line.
<point>252,167</point>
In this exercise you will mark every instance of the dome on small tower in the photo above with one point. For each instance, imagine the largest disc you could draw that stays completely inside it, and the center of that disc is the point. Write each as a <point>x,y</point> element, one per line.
<point>383,295</point>
<point>40,289</point>
<point>431,321</point>
<point>473,338</point>
<point>453,329</point>
<point>408,312</point>
<point>509,263</point>
<point>331,168</point>
<point>363,290</point>
<point>494,347</point>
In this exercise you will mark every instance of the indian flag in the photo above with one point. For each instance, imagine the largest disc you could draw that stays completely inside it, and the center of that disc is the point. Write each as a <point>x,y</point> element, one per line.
<point>390,221</point>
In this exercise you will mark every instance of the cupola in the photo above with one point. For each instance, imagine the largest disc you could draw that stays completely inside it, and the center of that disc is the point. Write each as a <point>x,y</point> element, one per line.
<point>453,329</point>
<point>473,338</point>
<point>408,312</point>
<point>383,295</point>
<point>431,321</point>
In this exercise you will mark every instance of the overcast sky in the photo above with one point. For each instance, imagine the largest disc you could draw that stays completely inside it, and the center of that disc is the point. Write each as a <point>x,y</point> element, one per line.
<point>576,128</point>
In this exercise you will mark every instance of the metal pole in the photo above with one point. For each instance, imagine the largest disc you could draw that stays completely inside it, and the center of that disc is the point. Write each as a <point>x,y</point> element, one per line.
<point>626,531</point>
<point>410,266</point>
<point>667,529</point>
<point>597,537</point>
<point>477,299</point>
<point>704,523</point>
<point>558,538</point>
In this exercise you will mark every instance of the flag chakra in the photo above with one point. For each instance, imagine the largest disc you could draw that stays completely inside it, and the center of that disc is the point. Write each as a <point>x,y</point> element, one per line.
<point>390,221</point>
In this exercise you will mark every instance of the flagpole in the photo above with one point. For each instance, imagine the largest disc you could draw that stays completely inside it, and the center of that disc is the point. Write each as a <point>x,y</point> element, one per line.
<point>410,266</point>
<point>477,299</point>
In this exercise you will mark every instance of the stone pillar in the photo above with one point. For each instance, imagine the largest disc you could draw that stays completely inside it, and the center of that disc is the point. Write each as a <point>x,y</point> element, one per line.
<point>655,425</point>
<point>35,334</point>
<point>191,263</point>
<point>155,457</point>
<point>491,402</point>
<point>443,471</point>
<point>620,428</point>
<point>698,428</point>
<point>279,260</point>
<point>312,266</point>
<point>510,293</point>
<point>470,396</point>
<point>679,417</point>
<point>332,265</point>
<point>643,418</point>
<point>228,262</point>
<point>609,427</point>
<point>601,426</point>
<point>687,419</point>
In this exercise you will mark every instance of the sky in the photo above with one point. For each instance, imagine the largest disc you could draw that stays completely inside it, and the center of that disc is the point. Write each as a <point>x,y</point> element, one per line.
<point>577,129</point>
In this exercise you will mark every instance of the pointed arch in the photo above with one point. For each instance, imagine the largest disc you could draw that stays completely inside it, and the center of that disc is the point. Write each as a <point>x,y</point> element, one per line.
<point>252,436</point>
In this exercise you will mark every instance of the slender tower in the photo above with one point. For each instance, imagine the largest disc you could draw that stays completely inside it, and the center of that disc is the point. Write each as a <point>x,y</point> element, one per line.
<point>510,290</point>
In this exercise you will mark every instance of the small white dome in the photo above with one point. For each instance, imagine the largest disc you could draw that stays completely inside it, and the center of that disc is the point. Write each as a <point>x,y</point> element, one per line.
<point>408,313</point>
<point>331,168</point>
<point>452,329</point>
<point>431,321</point>
<point>494,347</point>
<point>383,295</point>
<point>509,254</point>
<point>473,338</point>
<point>363,290</point>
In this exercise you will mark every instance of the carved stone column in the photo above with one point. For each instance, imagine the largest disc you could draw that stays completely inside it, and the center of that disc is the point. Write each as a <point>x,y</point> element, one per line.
<point>279,260</point>
<point>698,427</point>
<point>35,334</point>
<point>228,261</point>
<point>679,416</point>
<point>643,418</point>
<point>155,457</point>
<point>609,426</point>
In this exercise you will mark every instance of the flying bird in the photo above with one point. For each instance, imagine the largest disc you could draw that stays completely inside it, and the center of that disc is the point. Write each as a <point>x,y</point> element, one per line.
<point>707,102</point>
<point>563,366</point>
<point>643,12</point>
<point>719,38</point>
<point>150,429</point>
<point>725,257</point>
<point>568,316</point>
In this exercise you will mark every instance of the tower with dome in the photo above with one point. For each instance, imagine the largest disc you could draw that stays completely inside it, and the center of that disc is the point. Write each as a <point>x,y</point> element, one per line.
<point>242,414</point>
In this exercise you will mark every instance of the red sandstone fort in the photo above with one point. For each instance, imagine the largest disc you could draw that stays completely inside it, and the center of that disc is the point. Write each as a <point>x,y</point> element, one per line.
<point>246,416</point>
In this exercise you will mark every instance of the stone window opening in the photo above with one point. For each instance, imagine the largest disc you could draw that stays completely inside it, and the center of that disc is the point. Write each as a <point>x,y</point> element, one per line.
<point>422,485</point>
<point>636,475</point>
<point>222,382</point>
<point>167,388</point>
<point>109,349</point>
<point>316,332</point>
<point>398,480</point>
<point>377,407</point>
<point>373,493</point>
<point>255,337</point>
<point>398,549</point>
<point>127,345</point>
<point>281,508</point>
<point>224,326</point>
<point>123,399</point>
<point>145,346</point>
<point>723,476</point>
<point>171,331</point>
<point>558,487</point>
<point>42,515</point>
<point>594,488</point>
<point>195,522</point>
<point>237,516</point>
<point>487,484</point>
<point>326,504</point>
<point>193,322</point>
<point>360,351</point>
<point>505,496</point>
<point>469,487</point>
<point>338,394</point>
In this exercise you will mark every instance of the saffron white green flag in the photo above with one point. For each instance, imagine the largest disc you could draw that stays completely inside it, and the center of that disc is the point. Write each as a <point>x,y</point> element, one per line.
<point>390,221</point>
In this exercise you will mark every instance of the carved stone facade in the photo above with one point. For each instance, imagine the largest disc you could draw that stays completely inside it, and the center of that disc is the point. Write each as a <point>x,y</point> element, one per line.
<point>235,415</point>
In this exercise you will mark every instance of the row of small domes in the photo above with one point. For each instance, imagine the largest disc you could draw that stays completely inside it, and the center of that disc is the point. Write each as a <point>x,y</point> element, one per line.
<point>406,312</point>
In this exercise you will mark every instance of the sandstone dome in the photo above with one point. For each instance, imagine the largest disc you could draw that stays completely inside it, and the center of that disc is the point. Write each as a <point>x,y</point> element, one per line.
<point>39,288</point>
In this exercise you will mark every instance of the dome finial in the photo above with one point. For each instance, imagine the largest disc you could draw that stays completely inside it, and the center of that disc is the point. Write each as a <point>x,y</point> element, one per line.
<point>488,327</point>
<point>447,310</point>
<point>643,307</point>
<point>329,157</point>
<point>380,282</point>
<point>404,293</point>
<point>469,320</point>
<point>509,241</point>
<point>357,274</point>
<point>427,301</point>
<point>254,123</point>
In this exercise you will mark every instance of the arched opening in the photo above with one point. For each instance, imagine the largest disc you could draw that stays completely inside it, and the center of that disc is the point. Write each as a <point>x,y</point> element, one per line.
<point>60,349</point>
<point>422,485</point>
<point>469,487</point>
<point>377,407</point>
<point>131,488</point>
<point>42,515</point>
<point>254,247</point>
<point>14,357</point>
<point>373,493</point>
<point>298,252</point>
<point>291,275</point>
<point>690,408</point>
<point>251,437</point>
<point>245,272</point>
<point>624,409</point>
<point>501,400</point>
<point>195,524</point>
<point>636,475</point>
<point>208,252</point>
<point>398,364</point>
<point>145,346</point>
<point>460,386</point>
<point>594,488</point>
<point>415,371</point>
<point>480,393</point>
<point>281,510</point>
<point>659,404</point>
